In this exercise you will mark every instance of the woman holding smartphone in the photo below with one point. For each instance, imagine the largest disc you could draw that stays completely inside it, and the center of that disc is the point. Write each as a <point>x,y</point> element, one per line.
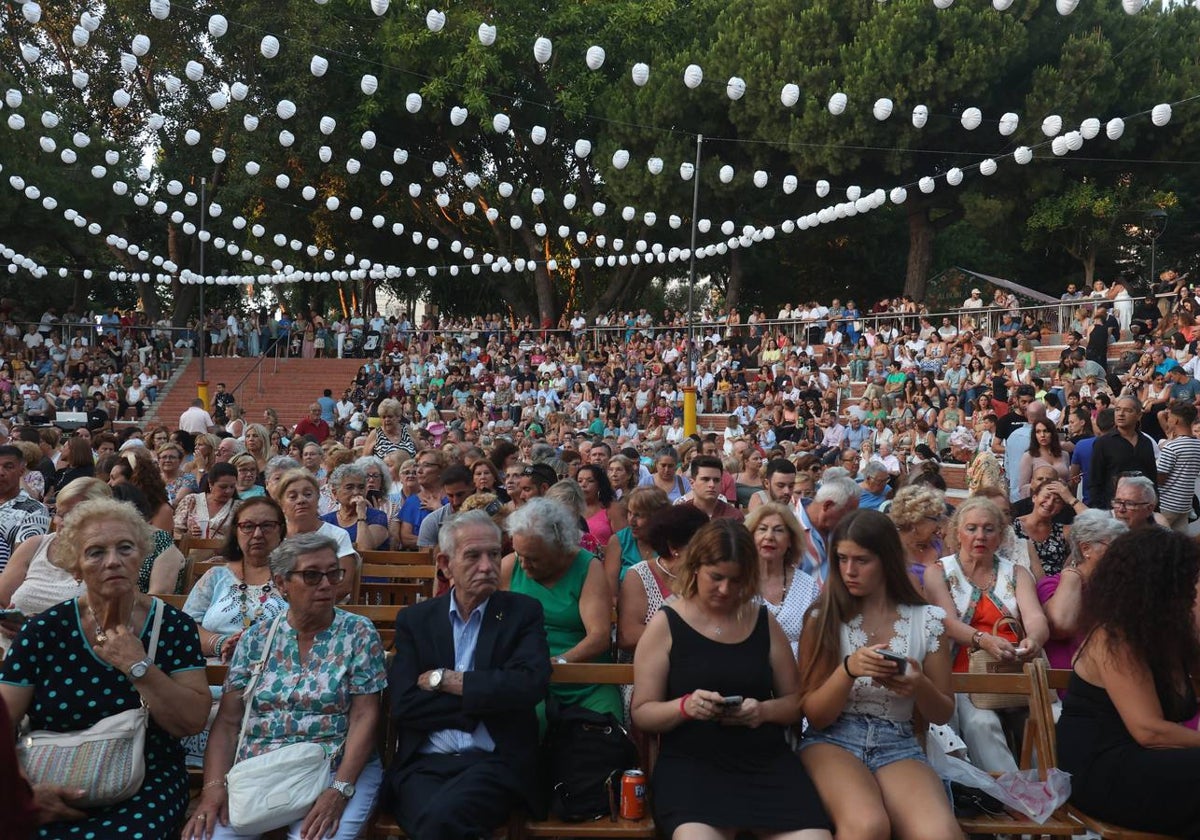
<point>873,652</point>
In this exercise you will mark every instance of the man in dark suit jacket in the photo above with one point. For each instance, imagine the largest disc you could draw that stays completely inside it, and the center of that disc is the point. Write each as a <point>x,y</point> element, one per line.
<point>469,670</point>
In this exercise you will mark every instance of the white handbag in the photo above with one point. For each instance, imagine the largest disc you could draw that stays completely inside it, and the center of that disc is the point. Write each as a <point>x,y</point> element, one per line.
<point>274,789</point>
<point>106,761</point>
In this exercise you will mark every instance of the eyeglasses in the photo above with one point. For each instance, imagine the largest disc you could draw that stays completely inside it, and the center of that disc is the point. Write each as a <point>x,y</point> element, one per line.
<point>312,577</point>
<point>248,528</point>
<point>1121,504</point>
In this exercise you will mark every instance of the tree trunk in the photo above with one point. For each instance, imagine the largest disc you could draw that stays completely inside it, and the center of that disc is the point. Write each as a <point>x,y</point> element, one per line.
<point>1089,269</point>
<point>921,233</point>
<point>733,291</point>
<point>148,294</point>
<point>544,286</point>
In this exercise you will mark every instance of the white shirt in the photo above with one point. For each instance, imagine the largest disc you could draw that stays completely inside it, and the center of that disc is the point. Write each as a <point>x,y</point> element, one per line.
<point>196,420</point>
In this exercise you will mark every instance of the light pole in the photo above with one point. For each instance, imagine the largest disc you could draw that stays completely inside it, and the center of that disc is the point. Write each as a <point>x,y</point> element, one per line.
<point>202,332</point>
<point>690,417</point>
<point>1156,226</point>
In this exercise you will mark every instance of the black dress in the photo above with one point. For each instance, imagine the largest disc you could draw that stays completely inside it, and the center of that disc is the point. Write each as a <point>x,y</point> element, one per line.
<point>1115,779</point>
<point>74,689</point>
<point>729,776</point>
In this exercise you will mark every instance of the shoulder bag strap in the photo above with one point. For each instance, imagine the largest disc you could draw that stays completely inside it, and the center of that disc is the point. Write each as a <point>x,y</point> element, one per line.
<point>157,607</point>
<point>255,673</point>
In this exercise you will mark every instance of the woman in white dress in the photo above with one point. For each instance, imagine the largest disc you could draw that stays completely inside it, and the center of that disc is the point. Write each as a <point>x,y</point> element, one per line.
<point>1122,304</point>
<point>786,591</point>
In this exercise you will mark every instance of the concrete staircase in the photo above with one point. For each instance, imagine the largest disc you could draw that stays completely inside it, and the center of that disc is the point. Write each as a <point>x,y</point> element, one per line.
<point>289,391</point>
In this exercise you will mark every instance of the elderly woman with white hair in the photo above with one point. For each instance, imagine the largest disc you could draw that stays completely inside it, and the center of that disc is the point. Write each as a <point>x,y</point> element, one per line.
<point>366,526</point>
<point>322,676</point>
<point>1062,594</point>
<point>548,565</point>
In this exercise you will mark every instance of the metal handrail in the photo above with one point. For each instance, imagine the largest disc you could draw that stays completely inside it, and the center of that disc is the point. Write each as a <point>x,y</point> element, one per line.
<point>257,367</point>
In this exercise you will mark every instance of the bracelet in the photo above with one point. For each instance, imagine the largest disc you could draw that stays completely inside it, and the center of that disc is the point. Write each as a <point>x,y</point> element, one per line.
<point>977,639</point>
<point>846,667</point>
<point>214,783</point>
<point>682,706</point>
<point>218,643</point>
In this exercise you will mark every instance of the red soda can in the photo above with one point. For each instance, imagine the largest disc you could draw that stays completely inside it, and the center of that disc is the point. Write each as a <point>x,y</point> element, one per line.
<point>633,795</point>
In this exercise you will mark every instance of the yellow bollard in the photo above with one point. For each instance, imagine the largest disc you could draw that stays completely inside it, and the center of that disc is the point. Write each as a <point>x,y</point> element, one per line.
<point>689,409</point>
<point>202,393</point>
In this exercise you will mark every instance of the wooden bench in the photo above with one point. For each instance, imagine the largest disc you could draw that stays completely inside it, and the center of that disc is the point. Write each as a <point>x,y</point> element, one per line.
<point>1057,680</point>
<point>399,578</point>
<point>1028,683</point>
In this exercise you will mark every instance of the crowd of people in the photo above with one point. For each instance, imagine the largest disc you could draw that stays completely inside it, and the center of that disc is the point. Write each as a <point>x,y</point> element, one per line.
<point>794,590</point>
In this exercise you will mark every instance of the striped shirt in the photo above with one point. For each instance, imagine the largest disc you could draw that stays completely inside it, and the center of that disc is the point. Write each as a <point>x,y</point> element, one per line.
<point>1179,459</point>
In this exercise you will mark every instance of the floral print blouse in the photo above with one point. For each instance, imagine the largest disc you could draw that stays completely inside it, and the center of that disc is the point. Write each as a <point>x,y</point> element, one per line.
<point>299,701</point>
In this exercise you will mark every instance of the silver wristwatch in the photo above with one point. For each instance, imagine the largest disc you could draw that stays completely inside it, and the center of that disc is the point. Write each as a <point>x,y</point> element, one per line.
<point>346,789</point>
<point>139,669</point>
<point>435,679</point>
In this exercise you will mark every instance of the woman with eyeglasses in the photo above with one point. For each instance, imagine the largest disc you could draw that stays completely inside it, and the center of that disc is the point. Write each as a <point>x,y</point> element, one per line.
<point>247,476</point>
<point>366,526</point>
<point>177,482</point>
<point>233,596</point>
<point>321,683</point>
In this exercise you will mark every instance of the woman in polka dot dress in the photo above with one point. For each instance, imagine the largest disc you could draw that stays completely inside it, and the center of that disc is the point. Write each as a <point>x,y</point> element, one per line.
<point>85,659</point>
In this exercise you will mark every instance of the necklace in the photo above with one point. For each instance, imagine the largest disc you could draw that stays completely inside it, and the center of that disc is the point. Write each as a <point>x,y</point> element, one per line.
<point>658,562</point>
<point>101,635</point>
<point>244,597</point>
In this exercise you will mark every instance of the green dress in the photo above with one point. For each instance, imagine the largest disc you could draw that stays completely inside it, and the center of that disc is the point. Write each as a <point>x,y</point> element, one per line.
<point>564,630</point>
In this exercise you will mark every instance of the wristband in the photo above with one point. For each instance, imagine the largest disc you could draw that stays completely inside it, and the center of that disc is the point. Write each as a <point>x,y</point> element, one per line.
<point>214,783</point>
<point>846,667</point>
<point>683,706</point>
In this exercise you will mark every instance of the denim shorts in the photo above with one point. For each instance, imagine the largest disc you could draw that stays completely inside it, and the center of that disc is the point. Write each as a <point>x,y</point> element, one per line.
<point>876,742</point>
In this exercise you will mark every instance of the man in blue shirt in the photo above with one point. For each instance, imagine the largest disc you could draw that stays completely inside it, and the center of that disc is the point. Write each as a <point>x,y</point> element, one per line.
<point>470,668</point>
<point>328,407</point>
<point>874,486</point>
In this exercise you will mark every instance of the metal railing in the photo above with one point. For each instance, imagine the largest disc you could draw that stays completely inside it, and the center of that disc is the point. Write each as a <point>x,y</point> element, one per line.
<point>257,368</point>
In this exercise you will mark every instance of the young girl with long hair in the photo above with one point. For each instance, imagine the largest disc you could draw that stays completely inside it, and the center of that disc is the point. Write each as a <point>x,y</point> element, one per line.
<point>860,749</point>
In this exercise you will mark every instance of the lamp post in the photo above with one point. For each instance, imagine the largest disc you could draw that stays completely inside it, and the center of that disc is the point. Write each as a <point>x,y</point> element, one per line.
<point>202,332</point>
<point>690,415</point>
<point>1156,226</point>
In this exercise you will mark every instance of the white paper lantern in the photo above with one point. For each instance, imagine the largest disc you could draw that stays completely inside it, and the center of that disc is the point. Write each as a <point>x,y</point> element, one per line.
<point>140,45</point>
<point>790,183</point>
<point>853,193</point>
<point>412,103</point>
<point>822,188</point>
<point>80,36</point>
<point>569,201</point>
<point>515,222</point>
<point>620,158</point>
<point>471,180</point>
<point>1009,123</point>
<point>735,88</point>
<point>760,178</point>
<point>332,203</point>
<point>16,122</point>
<point>1074,140</point>
<point>286,139</point>
<point>112,157</point>
<point>438,169</point>
<point>943,4</point>
<point>369,84</point>
<point>399,156</point>
<point>1132,7</point>
<point>435,20</point>
<point>837,103</point>
<point>583,148</point>
<point>640,73</point>
<point>353,166</point>
<point>486,34</point>
<point>1161,114</point>
<point>725,174</point>
<point>598,209</point>
<point>542,49</point>
<point>120,98</point>
<point>269,46</point>
<point>386,178</point>
<point>954,176</point>
<point>1023,155</point>
<point>1052,125</point>
<point>492,214</point>
<point>1059,145</point>
<point>218,155</point>
<point>160,9</point>
<point>156,122</point>
<point>129,62</point>
<point>693,75</point>
<point>882,108</point>
<point>655,165</point>
<point>68,156</point>
<point>1065,7</point>
<point>218,26</point>
<point>250,122</point>
<point>649,218</point>
<point>537,135</point>
<point>286,109</point>
<point>458,115</point>
<point>628,213</point>
<point>173,187</point>
<point>327,125</point>
<point>468,208</point>
<point>239,91</point>
<point>79,78</point>
<point>81,140</point>
<point>1001,5</point>
<point>537,195</point>
<point>926,184</point>
<point>790,94</point>
<point>1090,128</point>
<point>1115,128</point>
<point>920,116</point>
<point>595,57</point>
<point>674,221</point>
<point>89,21</point>
<point>282,181</point>
<point>414,190</point>
<point>686,171</point>
<point>971,118</point>
<point>30,53</point>
<point>191,137</point>
<point>505,189</point>
<point>194,70</point>
<point>899,195</point>
<point>500,123</point>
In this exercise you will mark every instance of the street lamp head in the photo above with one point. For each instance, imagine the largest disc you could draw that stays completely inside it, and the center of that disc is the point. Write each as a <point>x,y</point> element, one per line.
<point>1156,222</point>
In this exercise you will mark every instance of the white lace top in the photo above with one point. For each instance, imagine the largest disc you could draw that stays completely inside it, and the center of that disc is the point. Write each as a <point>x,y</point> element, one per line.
<point>802,593</point>
<point>918,631</point>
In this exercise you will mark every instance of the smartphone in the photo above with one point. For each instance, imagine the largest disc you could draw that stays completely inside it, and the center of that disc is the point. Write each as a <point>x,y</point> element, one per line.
<point>732,700</point>
<point>12,616</point>
<point>901,661</point>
